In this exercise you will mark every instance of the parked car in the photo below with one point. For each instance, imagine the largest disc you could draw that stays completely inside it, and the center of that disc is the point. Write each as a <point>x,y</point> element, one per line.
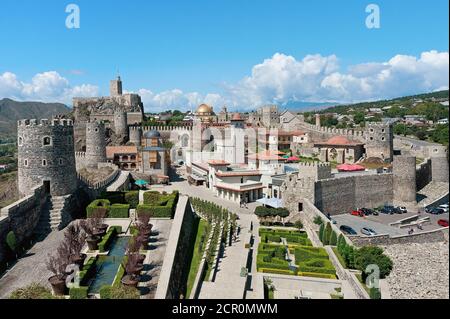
<point>368,231</point>
<point>444,207</point>
<point>357,213</point>
<point>388,210</point>
<point>348,230</point>
<point>436,211</point>
<point>443,222</point>
<point>402,209</point>
<point>368,211</point>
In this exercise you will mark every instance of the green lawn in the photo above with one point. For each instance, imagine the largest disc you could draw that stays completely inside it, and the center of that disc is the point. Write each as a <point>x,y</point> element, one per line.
<point>196,255</point>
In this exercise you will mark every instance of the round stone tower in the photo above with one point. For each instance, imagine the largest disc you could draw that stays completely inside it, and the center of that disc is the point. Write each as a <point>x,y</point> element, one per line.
<point>46,156</point>
<point>135,135</point>
<point>95,144</point>
<point>379,141</point>
<point>404,179</point>
<point>120,123</point>
<point>439,164</point>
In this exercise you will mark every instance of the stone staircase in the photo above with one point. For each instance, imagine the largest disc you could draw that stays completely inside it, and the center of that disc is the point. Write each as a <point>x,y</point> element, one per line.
<point>51,215</point>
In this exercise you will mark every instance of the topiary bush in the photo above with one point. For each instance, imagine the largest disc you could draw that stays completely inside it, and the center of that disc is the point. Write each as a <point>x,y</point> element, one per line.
<point>327,234</point>
<point>132,199</point>
<point>333,238</point>
<point>321,232</point>
<point>96,205</point>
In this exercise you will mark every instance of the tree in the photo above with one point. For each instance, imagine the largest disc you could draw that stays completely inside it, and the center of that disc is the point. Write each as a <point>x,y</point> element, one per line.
<point>299,225</point>
<point>327,234</point>
<point>341,243</point>
<point>370,255</point>
<point>321,232</point>
<point>318,220</point>
<point>333,239</point>
<point>358,118</point>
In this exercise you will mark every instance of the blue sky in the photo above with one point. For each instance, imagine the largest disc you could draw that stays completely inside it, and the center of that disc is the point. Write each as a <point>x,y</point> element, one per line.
<point>211,46</point>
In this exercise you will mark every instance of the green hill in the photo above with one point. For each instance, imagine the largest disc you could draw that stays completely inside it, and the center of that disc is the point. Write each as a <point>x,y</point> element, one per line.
<point>12,111</point>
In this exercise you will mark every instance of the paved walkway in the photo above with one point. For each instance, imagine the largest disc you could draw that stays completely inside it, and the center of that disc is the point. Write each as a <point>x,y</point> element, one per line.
<point>155,257</point>
<point>31,268</point>
<point>118,182</point>
<point>235,257</point>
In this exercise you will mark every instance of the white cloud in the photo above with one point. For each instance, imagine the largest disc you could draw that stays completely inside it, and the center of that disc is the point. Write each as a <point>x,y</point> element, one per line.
<point>46,87</point>
<point>280,79</point>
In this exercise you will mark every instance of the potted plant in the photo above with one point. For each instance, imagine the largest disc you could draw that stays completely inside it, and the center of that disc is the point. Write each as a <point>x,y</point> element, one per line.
<point>57,264</point>
<point>132,270</point>
<point>76,239</point>
<point>134,246</point>
<point>98,221</point>
<point>92,238</point>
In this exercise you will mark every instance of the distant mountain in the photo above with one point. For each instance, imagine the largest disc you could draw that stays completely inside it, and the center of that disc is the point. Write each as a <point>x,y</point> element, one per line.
<point>307,106</point>
<point>12,111</point>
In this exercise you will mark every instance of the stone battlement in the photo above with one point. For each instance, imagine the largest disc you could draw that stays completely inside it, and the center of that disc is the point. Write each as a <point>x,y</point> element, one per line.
<point>44,122</point>
<point>331,130</point>
<point>314,164</point>
<point>167,128</point>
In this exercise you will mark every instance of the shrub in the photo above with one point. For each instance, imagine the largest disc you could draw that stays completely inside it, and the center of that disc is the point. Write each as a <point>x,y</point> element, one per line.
<point>307,253</point>
<point>298,224</point>
<point>113,197</point>
<point>117,228</point>
<point>107,239</point>
<point>321,232</point>
<point>368,255</point>
<point>333,238</point>
<point>155,211</point>
<point>326,234</point>
<point>119,211</point>
<point>33,291</point>
<point>132,198</point>
<point>88,270</point>
<point>316,275</point>
<point>374,293</point>
<point>318,220</point>
<point>78,293</point>
<point>105,292</point>
<point>11,241</point>
<point>262,211</point>
<point>97,205</point>
<point>341,243</point>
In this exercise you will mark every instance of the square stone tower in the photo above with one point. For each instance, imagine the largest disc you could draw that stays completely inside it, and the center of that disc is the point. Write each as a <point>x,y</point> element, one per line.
<point>115,87</point>
<point>379,138</point>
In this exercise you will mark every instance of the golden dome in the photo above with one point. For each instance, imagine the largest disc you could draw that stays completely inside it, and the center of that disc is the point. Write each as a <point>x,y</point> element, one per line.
<point>204,109</point>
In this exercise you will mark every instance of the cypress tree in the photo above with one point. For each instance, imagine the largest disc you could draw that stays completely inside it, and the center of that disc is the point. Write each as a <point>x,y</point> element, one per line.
<point>321,231</point>
<point>333,238</point>
<point>327,234</point>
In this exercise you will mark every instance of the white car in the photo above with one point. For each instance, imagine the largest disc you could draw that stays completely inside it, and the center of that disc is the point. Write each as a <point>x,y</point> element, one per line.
<point>402,209</point>
<point>444,207</point>
<point>368,231</point>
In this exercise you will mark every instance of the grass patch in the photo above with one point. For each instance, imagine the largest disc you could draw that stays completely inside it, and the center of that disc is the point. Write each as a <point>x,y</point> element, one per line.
<point>199,247</point>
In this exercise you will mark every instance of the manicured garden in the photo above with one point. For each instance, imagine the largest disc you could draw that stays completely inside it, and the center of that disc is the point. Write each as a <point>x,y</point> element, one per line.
<point>158,205</point>
<point>217,227</point>
<point>308,261</point>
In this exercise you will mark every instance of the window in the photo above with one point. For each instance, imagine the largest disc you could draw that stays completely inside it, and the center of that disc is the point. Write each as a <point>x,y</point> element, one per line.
<point>61,161</point>
<point>371,130</point>
<point>25,163</point>
<point>371,138</point>
<point>20,141</point>
<point>46,141</point>
<point>44,162</point>
<point>96,130</point>
<point>383,130</point>
<point>383,138</point>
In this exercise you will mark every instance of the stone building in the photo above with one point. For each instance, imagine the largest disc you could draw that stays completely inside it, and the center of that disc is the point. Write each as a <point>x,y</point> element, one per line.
<point>379,141</point>
<point>339,149</point>
<point>154,157</point>
<point>266,116</point>
<point>120,123</point>
<point>223,116</point>
<point>46,156</point>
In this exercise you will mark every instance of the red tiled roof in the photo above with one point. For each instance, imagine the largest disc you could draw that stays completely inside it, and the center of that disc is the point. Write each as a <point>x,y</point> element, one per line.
<point>218,162</point>
<point>243,173</point>
<point>268,156</point>
<point>112,150</point>
<point>339,140</point>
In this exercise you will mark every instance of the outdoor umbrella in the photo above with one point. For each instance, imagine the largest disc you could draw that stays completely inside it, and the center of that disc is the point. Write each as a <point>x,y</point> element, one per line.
<point>141,182</point>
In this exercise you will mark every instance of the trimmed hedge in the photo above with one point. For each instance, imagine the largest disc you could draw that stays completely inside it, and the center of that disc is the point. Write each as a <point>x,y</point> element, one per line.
<point>78,293</point>
<point>164,205</point>
<point>88,270</point>
<point>96,204</point>
<point>316,275</point>
<point>262,211</point>
<point>132,199</point>
<point>306,253</point>
<point>119,211</point>
<point>107,239</point>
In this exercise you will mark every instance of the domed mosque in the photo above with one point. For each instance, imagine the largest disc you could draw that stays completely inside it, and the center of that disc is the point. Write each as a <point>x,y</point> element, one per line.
<point>205,113</point>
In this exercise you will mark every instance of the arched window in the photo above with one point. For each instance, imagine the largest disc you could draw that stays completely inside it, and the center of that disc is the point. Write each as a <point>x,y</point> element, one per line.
<point>20,141</point>
<point>44,162</point>
<point>47,141</point>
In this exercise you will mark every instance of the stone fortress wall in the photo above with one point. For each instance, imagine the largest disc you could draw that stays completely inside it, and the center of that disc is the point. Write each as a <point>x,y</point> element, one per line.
<point>46,153</point>
<point>21,217</point>
<point>404,171</point>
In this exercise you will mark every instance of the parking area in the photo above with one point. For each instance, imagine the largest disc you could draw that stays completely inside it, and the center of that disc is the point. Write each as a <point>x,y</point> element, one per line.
<point>381,223</point>
<point>357,223</point>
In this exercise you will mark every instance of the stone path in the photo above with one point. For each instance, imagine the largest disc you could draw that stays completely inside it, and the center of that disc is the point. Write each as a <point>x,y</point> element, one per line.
<point>30,268</point>
<point>155,257</point>
<point>118,182</point>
